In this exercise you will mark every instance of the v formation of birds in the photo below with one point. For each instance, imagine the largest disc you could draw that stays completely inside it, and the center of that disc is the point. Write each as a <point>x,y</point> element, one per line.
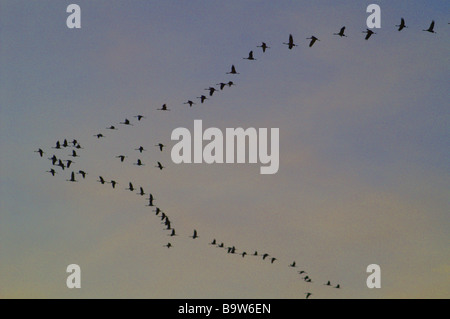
<point>75,146</point>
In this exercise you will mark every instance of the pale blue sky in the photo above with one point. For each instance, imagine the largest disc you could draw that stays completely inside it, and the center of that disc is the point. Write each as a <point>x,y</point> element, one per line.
<point>364,173</point>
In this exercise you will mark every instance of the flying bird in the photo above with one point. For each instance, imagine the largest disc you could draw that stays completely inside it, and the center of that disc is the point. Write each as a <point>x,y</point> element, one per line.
<point>72,178</point>
<point>213,242</point>
<point>122,157</point>
<point>291,43</point>
<point>160,145</point>
<point>190,103</point>
<point>130,187</point>
<point>168,245</point>
<point>150,203</point>
<point>368,33</point>
<point>58,145</point>
<point>40,151</point>
<point>293,265</point>
<point>100,135</point>
<point>160,166</point>
<point>139,117</point>
<point>211,90</point>
<point>126,122</point>
<point>141,192</point>
<point>163,108</point>
<point>308,294</point>
<point>313,40</point>
<point>341,33</point>
<point>138,163</point>
<point>402,25</point>
<point>250,56</point>
<point>69,162</point>
<point>431,28</point>
<point>112,127</point>
<point>113,183</point>
<point>52,171</point>
<point>222,85</point>
<point>82,173</point>
<point>233,70</point>
<point>74,154</point>
<point>265,256</point>
<point>263,46</point>
<point>65,144</point>
<point>272,260</point>
<point>194,235</point>
<point>140,149</point>
<point>101,180</point>
<point>173,233</point>
<point>202,98</point>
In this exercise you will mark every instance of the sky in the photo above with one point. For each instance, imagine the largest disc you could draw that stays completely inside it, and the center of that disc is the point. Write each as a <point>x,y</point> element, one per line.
<point>364,148</point>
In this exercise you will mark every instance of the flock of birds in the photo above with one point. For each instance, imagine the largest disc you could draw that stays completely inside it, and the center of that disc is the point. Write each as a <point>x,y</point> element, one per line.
<point>60,163</point>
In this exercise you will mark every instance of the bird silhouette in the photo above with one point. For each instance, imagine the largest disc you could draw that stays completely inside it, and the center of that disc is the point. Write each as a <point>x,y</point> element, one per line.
<point>141,191</point>
<point>222,85</point>
<point>160,166</point>
<point>272,260</point>
<point>150,203</point>
<point>139,163</point>
<point>53,159</point>
<point>60,164</point>
<point>160,145</point>
<point>265,256</point>
<point>101,180</point>
<point>190,103</point>
<point>173,233</point>
<point>402,25</point>
<point>313,40</point>
<point>82,173</point>
<point>168,245</point>
<point>291,43</point>
<point>65,144</point>
<point>140,149</point>
<point>250,56</point>
<point>211,90</point>
<point>72,178</point>
<point>122,157</point>
<point>341,33</point>
<point>52,171</point>
<point>69,162</point>
<point>99,135</point>
<point>126,122</point>
<point>213,242</point>
<point>308,294</point>
<point>74,154</point>
<point>368,33</point>
<point>230,83</point>
<point>243,254</point>
<point>233,70</point>
<point>202,98</point>
<point>328,283</point>
<point>293,265</point>
<point>430,28</point>
<point>140,117</point>
<point>40,151</point>
<point>195,234</point>
<point>163,108</point>
<point>263,46</point>
<point>338,287</point>
<point>112,127</point>
<point>130,187</point>
<point>113,183</point>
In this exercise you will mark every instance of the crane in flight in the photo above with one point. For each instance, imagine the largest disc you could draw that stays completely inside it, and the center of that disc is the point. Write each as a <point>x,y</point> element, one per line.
<point>250,56</point>
<point>402,25</point>
<point>313,40</point>
<point>341,33</point>
<point>291,43</point>
<point>263,46</point>
<point>368,33</point>
<point>233,70</point>
<point>430,28</point>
